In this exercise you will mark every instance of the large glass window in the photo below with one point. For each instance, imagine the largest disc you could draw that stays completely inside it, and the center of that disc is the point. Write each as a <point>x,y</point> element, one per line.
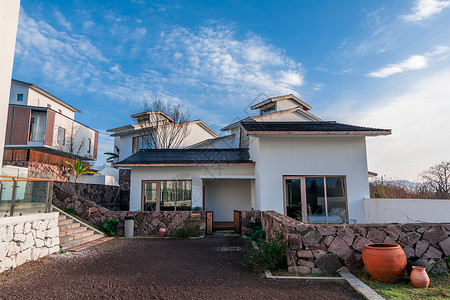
<point>61,136</point>
<point>167,195</point>
<point>316,199</point>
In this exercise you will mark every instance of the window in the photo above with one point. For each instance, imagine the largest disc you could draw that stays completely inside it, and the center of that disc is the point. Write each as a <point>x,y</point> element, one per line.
<point>316,199</point>
<point>32,126</point>
<point>140,143</point>
<point>268,110</point>
<point>167,195</point>
<point>89,145</point>
<point>19,97</point>
<point>61,136</point>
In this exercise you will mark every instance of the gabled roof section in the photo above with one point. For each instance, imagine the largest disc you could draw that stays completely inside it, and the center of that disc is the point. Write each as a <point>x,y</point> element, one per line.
<point>187,157</point>
<point>47,94</point>
<point>310,128</point>
<point>148,113</point>
<point>298,110</point>
<point>305,105</point>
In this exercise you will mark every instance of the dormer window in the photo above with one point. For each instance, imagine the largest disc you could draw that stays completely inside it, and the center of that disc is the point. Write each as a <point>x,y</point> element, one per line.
<point>19,97</point>
<point>268,110</point>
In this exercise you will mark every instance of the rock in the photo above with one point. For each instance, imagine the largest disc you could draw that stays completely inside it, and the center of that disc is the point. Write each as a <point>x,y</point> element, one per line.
<point>52,232</point>
<point>18,228</point>
<point>421,248</point>
<point>422,229</point>
<point>393,231</point>
<point>311,238</point>
<point>328,240</point>
<point>40,234</point>
<point>432,253</point>
<point>389,240</point>
<point>319,253</point>
<point>445,246</point>
<point>316,271</point>
<point>29,241</point>
<point>440,268</point>
<point>53,249</point>
<point>347,235</point>
<point>422,262</point>
<point>35,253</point>
<point>19,237</point>
<point>3,250</point>
<point>27,227</point>
<point>302,270</point>
<point>326,230</point>
<point>354,263</point>
<point>329,263</point>
<point>361,229</point>
<point>9,233</point>
<point>306,263</point>
<point>43,225</point>
<point>409,251</point>
<point>409,238</point>
<point>375,235</point>
<point>340,248</point>
<point>360,243</point>
<point>6,263</point>
<point>434,235</point>
<point>295,240</point>
<point>40,243</point>
<point>305,254</point>
<point>13,248</point>
<point>23,257</point>
<point>3,234</point>
<point>44,252</point>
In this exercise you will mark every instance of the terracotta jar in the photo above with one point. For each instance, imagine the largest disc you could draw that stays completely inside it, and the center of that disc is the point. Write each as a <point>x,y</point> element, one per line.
<point>162,231</point>
<point>419,277</point>
<point>385,262</point>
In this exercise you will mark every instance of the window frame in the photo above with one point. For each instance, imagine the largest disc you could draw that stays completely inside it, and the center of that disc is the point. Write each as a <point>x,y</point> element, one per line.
<point>302,179</point>
<point>159,191</point>
<point>89,145</point>
<point>64,136</point>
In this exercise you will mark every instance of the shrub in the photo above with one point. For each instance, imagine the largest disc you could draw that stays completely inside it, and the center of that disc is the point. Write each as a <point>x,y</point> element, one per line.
<point>70,210</point>
<point>271,255</point>
<point>256,233</point>
<point>189,228</point>
<point>109,226</point>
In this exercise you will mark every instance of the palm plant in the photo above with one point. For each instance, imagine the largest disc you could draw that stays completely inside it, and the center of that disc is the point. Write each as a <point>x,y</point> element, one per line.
<point>80,169</point>
<point>112,155</point>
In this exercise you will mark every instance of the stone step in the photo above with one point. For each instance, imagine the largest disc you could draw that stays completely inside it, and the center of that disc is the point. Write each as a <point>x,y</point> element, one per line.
<point>65,221</point>
<point>79,235</point>
<point>61,217</point>
<point>67,226</point>
<point>71,231</point>
<point>80,241</point>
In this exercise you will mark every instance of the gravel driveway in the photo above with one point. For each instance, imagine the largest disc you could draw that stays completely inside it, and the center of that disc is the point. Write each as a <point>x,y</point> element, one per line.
<point>208,268</point>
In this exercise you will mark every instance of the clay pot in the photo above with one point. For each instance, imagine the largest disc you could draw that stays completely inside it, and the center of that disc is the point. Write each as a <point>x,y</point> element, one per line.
<point>419,277</point>
<point>162,231</point>
<point>385,262</point>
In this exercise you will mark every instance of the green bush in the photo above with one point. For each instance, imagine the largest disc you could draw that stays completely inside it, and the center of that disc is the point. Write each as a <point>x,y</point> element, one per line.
<point>109,226</point>
<point>70,210</point>
<point>271,255</point>
<point>255,231</point>
<point>189,228</point>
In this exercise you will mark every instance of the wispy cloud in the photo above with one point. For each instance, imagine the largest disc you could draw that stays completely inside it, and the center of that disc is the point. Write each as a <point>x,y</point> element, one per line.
<point>415,62</point>
<point>63,21</point>
<point>424,9</point>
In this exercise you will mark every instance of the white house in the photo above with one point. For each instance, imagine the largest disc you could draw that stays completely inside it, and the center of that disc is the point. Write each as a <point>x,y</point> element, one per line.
<point>39,121</point>
<point>284,159</point>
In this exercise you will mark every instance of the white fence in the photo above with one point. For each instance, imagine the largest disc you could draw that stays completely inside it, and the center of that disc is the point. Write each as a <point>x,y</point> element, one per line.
<point>379,210</point>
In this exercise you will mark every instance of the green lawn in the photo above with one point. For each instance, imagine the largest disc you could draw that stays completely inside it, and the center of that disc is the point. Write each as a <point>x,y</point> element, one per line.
<point>439,288</point>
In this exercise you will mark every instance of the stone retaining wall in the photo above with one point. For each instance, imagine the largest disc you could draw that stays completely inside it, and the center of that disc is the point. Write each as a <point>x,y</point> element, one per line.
<point>326,248</point>
<point>27,238</point>
<point>42,170</point>
<point>145,223</point>
<point>110,197</point>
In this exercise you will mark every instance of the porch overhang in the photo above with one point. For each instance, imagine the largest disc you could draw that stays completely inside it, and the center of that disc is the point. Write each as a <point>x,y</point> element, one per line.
<point>227,177</point>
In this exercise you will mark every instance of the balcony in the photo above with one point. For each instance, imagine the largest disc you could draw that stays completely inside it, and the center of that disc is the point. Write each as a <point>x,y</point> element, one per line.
<point>37,136</point>
<point>23,195</point>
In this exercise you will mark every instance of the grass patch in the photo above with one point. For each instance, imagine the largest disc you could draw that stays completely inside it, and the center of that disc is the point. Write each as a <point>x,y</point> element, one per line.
<point>439,288</point>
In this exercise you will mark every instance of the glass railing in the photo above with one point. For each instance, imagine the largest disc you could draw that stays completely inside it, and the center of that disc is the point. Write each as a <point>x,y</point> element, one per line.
<point>23,195</point>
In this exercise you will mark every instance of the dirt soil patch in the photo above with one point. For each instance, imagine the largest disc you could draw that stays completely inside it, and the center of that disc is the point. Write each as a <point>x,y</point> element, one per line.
<point>209,268</point>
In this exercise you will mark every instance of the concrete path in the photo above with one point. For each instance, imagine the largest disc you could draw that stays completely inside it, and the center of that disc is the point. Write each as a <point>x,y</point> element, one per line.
<point>209,268</point>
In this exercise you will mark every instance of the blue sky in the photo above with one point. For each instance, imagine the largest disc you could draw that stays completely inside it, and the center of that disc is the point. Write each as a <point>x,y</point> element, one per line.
<point>380,63</point>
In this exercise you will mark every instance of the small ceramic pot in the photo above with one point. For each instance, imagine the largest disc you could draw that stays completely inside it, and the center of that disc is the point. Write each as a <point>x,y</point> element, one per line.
<point>419,277</point>
<point>162,232</point>
<point>385,262</point>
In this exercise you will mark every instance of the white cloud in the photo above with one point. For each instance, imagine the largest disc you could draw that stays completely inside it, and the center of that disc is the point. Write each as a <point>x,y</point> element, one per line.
<point>88,24</point>
<point>424,9</point>
<point>415,62</point>
<point>63,21</point>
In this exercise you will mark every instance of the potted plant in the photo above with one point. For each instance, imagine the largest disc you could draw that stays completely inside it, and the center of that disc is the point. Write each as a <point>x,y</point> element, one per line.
<point>385,262</point>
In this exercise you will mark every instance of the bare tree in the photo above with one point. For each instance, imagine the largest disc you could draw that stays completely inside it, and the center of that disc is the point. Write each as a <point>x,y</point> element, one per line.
<point>438,177</point>
<point>163,125</point>
<point>72,144</point>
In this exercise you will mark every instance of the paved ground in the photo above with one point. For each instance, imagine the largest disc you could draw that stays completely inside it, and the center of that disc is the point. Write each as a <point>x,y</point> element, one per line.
<point>207,268</point>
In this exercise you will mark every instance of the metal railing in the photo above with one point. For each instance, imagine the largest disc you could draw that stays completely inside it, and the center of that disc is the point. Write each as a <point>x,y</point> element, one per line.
<point>24,195</point>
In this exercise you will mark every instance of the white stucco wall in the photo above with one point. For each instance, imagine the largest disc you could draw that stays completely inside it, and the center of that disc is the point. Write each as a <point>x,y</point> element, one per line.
<point>81,133</point>
<point>278,156</point>
<point>18,89</point>
<point>406,210</point>
<point>9,18</point>
<point>225,195</point>
<point>138,174</point>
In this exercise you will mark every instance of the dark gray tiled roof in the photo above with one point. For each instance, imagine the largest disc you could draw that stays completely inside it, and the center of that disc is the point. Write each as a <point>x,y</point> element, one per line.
<point>305,126</point>
<point>188,156</point>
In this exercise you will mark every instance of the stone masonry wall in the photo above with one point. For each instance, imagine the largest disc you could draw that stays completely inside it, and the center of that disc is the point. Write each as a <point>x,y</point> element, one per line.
<point>145,223</point>
<point>326,248</point>
<point>41,170</point>
<point>27,238</point>
<point>107,196</point>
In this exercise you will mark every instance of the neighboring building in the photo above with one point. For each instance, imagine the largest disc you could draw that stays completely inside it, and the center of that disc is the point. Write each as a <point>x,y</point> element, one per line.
<point>285,159</point>
<point>129,138</point>
<point>39,123</point>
